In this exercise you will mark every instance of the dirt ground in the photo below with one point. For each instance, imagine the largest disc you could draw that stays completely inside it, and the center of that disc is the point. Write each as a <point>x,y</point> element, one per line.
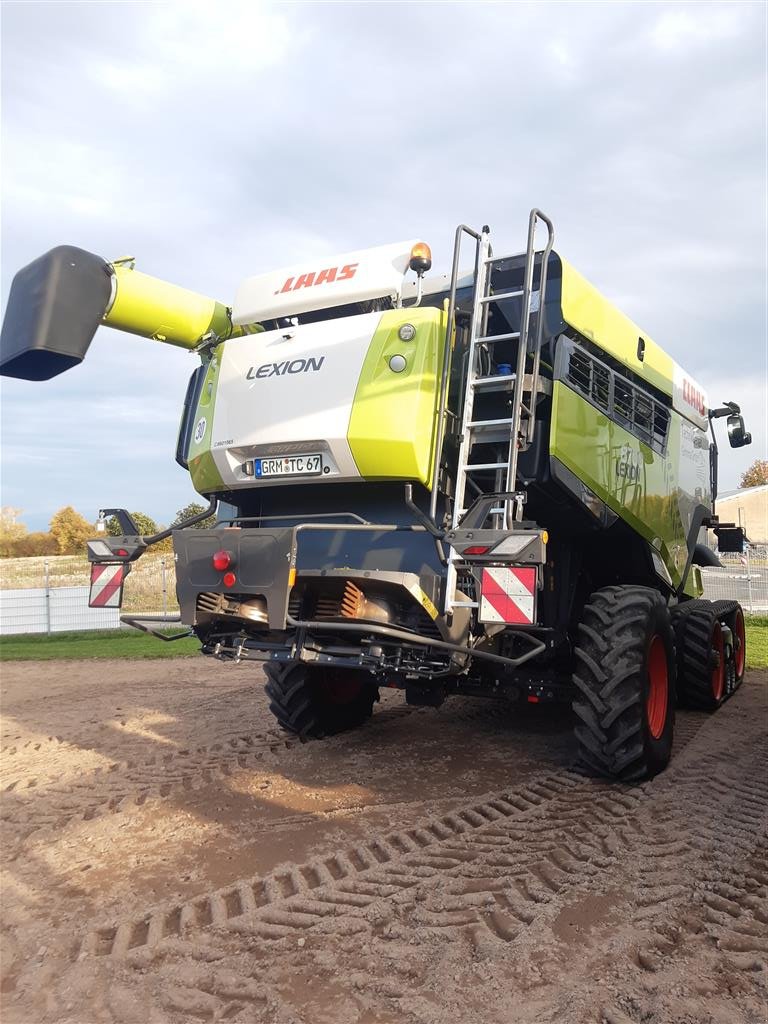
<point>170,856</point>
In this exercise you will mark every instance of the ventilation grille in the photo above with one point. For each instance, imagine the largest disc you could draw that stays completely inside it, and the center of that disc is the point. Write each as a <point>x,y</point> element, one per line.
<point>619,398</point>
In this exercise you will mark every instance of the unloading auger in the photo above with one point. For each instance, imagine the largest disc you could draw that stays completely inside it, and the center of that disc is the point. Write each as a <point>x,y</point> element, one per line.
<point>58,302</point>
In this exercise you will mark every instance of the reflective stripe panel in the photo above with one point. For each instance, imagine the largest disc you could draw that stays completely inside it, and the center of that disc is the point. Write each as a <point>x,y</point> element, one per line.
<point>508,595</point>
<point>106,586</point>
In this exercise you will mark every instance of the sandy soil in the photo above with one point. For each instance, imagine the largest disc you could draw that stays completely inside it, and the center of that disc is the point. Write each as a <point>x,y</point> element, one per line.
<point>170,856</point>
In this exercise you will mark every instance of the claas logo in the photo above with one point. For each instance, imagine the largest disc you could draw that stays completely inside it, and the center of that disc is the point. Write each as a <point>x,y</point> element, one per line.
<point>316,277</point>
<point>694,398</point>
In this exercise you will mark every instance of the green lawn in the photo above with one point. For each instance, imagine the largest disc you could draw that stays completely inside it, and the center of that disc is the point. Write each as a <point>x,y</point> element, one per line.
<point>108,643</point>
<point>757,641</point>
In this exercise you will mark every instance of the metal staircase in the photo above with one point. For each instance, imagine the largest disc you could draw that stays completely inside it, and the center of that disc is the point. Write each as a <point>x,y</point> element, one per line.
<point>514,433</point>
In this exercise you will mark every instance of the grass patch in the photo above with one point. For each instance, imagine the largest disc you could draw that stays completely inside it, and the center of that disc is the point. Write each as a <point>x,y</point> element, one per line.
<point>757,640</point>
<point>107,643</point>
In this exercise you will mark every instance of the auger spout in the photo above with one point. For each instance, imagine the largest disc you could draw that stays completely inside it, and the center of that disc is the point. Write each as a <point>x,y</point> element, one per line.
<point>58,301</point>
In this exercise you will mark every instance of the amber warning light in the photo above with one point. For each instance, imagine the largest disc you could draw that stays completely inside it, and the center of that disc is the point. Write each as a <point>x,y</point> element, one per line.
<point>421,258</point>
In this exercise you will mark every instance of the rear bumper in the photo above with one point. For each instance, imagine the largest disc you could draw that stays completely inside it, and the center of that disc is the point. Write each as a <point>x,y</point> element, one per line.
<point>263,562</point>
<point>272,610</point>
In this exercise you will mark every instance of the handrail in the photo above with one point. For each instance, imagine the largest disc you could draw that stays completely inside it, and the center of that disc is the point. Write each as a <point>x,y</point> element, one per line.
<point>298,515</point>
<point>440,435</point>
<point>522,352</point>
<point>540,321</point>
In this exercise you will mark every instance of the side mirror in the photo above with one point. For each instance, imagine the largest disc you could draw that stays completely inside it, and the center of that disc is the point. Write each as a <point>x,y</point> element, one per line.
<point>737,435</point>
<point>730,539</point>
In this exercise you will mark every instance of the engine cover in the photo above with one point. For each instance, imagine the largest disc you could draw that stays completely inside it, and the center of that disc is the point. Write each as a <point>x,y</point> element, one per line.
<point>336,400</point>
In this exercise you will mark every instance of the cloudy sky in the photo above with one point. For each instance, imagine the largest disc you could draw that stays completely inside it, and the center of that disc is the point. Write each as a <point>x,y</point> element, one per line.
<point>214,141</point>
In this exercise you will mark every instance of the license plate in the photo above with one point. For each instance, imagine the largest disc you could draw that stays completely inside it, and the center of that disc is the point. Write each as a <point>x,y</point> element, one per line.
<point>289,465</point>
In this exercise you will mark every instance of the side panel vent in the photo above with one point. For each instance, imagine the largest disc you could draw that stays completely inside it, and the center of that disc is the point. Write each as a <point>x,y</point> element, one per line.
<point>623,401</point>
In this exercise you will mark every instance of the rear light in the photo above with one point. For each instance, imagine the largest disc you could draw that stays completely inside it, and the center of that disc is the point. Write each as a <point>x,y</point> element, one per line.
<point>229,579</point>
<point>222,560</point>
<point>478,549</point>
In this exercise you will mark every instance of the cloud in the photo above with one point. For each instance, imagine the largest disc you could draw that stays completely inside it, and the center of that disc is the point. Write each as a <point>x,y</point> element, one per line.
<point>694,26</point>
<point>217,142</point>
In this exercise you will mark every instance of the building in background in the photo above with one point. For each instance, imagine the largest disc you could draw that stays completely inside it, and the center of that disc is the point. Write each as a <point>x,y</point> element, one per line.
<point>747,507</point>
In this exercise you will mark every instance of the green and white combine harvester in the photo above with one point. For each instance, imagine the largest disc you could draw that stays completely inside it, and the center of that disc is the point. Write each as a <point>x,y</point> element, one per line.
<point>489,483</point>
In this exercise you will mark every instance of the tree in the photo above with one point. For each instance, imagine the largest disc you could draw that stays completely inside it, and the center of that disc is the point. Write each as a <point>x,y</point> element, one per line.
<point>193,509</point>
<point>756,474</point>
<point>70,530</point>
<point>11,530</point>
<point>145,523</point>
<point>37,543</point>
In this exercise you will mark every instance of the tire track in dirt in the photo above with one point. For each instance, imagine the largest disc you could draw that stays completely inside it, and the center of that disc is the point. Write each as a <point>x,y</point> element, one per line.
<point>342,885</point>
<point>726,862</point>
<point>39,755</point>
<point>127,785</point>
<point>492,867</point>
<point>31,805</point>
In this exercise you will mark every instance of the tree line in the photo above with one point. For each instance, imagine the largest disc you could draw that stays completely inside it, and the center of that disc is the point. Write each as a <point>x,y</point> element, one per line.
<point>69,530</point>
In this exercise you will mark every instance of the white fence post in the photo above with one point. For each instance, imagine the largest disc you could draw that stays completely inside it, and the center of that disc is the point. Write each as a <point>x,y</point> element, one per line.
<point>749,582</point>
<point>47,597</point>
<point>165,588</point>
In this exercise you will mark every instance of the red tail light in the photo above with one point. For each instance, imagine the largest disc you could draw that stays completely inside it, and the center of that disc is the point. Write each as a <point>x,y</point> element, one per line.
<point>229,579</point>
<point>222,560</point>
<point>478,549</point>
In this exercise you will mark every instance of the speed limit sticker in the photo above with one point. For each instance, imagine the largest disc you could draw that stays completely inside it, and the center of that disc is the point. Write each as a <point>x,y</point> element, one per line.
<point>200,430</point>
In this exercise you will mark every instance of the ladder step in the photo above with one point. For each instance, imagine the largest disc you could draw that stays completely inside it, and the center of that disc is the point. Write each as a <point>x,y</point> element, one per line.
<point>502,295</point>
<point>499,382</point>
<point>475,424</point>
<point>463,604</point>
<point>489,339</point>
<point>475,466</point>
<point>503,259</point>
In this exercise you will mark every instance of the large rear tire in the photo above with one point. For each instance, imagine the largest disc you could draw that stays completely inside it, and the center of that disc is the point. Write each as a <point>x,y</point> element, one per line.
<point>625,679</point>
<point>312,701</point>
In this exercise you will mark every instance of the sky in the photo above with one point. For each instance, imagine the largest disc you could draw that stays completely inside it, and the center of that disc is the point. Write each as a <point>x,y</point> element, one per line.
<point>215,141</point>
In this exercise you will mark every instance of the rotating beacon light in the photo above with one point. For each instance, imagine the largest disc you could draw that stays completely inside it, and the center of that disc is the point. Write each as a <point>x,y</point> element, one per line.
<point>420,262</point>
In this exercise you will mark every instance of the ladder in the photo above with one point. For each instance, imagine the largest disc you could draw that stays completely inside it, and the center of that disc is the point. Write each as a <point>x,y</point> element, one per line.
<point>514,433</point>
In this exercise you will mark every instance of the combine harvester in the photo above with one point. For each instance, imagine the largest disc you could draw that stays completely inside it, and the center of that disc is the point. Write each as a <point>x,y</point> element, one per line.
<point>489,484</point>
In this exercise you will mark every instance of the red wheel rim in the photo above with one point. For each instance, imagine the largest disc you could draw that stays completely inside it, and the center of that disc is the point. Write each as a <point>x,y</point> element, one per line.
<point>658,687</point>
<point>718,651</point>
<point>740,643</point>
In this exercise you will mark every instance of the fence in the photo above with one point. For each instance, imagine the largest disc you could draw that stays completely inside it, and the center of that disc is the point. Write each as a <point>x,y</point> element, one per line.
<point>50,595</point>
<point>742,578</point>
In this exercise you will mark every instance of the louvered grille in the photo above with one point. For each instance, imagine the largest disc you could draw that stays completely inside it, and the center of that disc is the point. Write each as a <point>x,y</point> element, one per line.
<point>622,400</point>
<point>208,603</point>
<point>327,608</point>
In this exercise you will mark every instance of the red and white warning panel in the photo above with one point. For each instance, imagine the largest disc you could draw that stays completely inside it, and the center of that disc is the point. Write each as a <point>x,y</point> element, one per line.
<point>106,586</point>
<point>508,594</point>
